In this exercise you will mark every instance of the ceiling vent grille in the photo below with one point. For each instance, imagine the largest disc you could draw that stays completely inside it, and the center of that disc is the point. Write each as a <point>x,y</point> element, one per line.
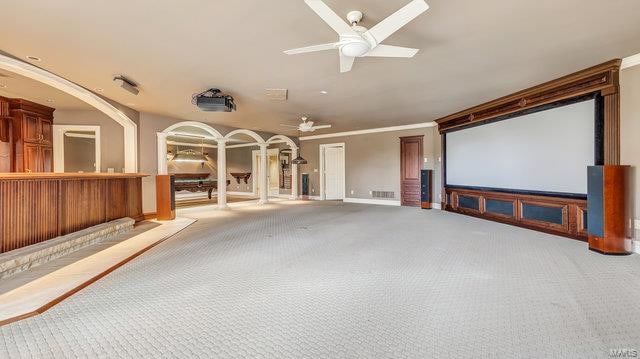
<point>276,94</point>
<point>383,194</point>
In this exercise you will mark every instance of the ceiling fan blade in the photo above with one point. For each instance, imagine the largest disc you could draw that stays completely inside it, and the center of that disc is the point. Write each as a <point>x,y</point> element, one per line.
<point>313,48</point>
<point>330,17</point>
<point>282,124</point>
<point>397,20</point>
<point>346,62</point>
<point>391,51</point>
<point>321,126</point>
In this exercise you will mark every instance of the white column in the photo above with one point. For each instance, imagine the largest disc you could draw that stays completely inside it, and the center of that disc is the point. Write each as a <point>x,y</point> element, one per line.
<point>222,173</point>
<point>294,174</point>
<point>264,181</point>
<point>162,153</point>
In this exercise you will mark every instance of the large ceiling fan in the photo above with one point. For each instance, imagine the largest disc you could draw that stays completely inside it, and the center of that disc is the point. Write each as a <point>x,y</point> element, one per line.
<point>357,41</point>
<point>306,125</point>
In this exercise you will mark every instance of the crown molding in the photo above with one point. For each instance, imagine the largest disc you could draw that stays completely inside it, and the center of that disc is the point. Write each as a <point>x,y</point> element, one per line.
<point>630,61</point>
<point>371,130</point>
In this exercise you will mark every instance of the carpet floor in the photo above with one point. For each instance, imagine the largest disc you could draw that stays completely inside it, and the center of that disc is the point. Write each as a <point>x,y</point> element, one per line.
<point>338,280</point>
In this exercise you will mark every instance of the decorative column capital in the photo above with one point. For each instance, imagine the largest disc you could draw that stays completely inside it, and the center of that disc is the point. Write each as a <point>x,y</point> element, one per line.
<point>162,135</point>
<point>222,141</point>
<point>263,144</point>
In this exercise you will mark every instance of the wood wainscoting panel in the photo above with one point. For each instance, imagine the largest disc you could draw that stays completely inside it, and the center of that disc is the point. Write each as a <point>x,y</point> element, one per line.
<point>28,212</point>
<point>556,215</point>
<point>38,207</point>
<point>82,211</point>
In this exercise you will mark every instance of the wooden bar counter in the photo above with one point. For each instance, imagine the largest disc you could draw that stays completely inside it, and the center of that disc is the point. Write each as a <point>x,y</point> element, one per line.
<point>35,207</point>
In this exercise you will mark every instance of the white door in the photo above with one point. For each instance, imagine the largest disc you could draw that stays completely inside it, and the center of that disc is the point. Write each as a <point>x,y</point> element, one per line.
<point>274,173</point>
<point>334,173</point>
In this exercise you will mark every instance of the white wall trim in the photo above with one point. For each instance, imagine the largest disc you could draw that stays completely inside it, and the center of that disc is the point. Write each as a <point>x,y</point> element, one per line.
<point>243,131</point>
<point>630,61</point>
<point>58,145</point>
<point>371,130</point>
<point>436,205</point>
<point>372,201</point>
<point>130,128</point>
<point>344,168</point>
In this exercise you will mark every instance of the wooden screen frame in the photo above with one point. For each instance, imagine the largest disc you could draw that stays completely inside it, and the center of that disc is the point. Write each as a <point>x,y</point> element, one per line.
<point>601,81</point>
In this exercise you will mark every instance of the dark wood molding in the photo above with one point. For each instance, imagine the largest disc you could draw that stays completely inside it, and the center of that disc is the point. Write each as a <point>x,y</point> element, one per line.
<point>602,79</point>
<point>570,211</point>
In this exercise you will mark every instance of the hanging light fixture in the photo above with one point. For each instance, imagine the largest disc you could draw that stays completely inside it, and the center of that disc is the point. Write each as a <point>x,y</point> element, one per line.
<point>190,155</point>
<point>298,160</point>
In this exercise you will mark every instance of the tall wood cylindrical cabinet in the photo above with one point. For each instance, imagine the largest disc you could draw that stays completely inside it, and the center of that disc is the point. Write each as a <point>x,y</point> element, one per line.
<point>32,136</point>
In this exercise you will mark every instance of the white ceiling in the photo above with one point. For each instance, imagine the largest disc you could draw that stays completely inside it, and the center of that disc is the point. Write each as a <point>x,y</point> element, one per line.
<point>472,51</point>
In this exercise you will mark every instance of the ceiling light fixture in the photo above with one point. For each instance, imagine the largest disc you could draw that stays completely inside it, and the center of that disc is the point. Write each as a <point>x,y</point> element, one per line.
<point>299,160</point>
<point>323,92</point>
<point>99,89</point>
<point>2,86</point>
<point>33,58</point>
<point>50,100</point>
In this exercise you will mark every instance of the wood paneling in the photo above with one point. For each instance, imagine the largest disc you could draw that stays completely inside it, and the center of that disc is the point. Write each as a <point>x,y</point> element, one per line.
<point>35,208</point>
<point>410,166</point>
<point>611,237</point>
<point>557,215</point>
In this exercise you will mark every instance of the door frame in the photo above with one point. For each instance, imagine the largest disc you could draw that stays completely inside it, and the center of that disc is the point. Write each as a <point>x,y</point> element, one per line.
<point>323,147</point>
<point>58,145</point>
<point>255,164</point>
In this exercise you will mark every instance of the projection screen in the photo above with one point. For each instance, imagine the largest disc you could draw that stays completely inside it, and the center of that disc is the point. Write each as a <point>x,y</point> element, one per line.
<point>546,151</point>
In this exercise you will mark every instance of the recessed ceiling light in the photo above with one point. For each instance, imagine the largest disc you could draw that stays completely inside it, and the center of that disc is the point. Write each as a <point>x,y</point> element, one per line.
<point>323,92</point>
<point>131,104</point>
<point>33,58</point>
<point>2,86</point>
<point>50,100</point>
<point>99,89</point>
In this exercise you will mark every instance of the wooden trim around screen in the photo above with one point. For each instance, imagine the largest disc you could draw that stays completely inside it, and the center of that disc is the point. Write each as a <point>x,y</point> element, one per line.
<point>570,211</point>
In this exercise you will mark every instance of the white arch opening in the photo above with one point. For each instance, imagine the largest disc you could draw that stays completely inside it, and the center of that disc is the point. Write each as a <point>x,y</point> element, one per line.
<point>250,133</point>
<point>130,128</point>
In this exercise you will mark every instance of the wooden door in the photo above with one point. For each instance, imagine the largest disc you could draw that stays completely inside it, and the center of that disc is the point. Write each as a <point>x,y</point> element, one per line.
<point>46,131</point>
<point>31,157</point>
<point>31,128</point>
<point>46,158</point>
<point>410,166</point>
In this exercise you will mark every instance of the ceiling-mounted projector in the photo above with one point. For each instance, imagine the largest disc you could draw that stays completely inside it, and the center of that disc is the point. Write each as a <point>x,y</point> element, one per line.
<point>214,100</point>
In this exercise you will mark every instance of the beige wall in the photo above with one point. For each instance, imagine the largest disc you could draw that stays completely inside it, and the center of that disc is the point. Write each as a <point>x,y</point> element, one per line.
<point>630,133</point>
<point>111,134</point>
<point>372,162</point>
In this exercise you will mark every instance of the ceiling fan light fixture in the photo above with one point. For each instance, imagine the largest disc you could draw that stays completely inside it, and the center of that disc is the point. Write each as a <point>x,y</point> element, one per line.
<point>355,49</point>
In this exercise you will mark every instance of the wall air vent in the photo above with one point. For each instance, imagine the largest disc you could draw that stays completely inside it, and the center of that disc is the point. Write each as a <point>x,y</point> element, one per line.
<point>383,194</point>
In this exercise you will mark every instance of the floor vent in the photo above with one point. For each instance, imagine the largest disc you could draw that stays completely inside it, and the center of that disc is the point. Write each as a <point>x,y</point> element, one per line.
<point>383,194</point>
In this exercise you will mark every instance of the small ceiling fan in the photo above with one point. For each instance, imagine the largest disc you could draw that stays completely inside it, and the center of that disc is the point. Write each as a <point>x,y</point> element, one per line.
<point>306,125</point>
<point>357,41</point>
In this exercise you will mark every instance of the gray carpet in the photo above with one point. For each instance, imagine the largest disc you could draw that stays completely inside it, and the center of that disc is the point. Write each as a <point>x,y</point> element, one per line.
<point>334,280</point>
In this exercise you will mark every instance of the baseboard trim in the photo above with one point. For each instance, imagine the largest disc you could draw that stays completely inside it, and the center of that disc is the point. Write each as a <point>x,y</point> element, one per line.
<point>372,201</point>
<point>436,206</point>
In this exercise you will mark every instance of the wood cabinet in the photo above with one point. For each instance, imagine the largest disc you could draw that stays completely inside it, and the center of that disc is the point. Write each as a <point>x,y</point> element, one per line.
<point>32,136</point>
